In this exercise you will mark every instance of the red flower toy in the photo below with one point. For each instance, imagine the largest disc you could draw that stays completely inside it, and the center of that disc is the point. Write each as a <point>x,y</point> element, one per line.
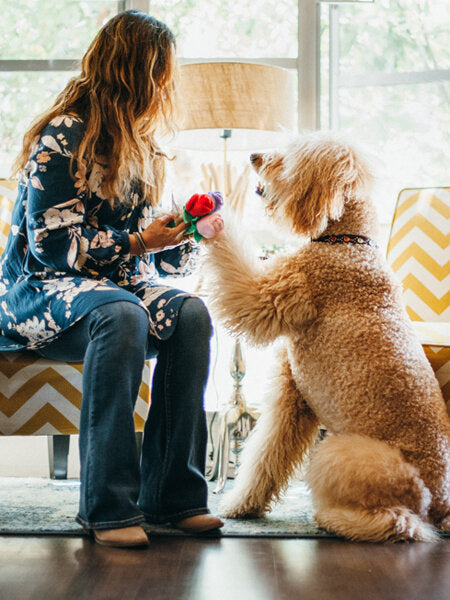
<point>199,213</point>
<point>199,205</point>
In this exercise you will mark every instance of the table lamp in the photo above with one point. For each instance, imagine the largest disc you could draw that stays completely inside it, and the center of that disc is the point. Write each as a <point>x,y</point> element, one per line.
<point>234,106</point>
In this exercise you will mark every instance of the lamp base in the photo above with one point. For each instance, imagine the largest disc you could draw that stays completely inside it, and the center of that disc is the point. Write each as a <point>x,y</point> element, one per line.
<point>235,423</point>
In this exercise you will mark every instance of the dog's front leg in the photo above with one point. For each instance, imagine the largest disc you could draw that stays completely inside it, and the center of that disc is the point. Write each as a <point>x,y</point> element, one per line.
<point>259,303</point>
<point>283,433</point>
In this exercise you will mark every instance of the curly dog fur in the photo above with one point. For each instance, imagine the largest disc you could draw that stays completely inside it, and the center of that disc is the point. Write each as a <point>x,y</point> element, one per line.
<point>351,360</point>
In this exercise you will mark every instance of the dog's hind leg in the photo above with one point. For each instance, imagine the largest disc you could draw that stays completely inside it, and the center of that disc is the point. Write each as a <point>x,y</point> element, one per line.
<point>283,433</point>
<point>365,490</point>
<point>433,462</point>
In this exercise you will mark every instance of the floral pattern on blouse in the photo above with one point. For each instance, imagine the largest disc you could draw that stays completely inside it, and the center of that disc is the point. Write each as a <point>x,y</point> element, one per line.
<point>68,249</point>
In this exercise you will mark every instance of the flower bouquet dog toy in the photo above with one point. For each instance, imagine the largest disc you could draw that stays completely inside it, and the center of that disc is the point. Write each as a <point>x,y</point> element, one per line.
<point>201,214</point>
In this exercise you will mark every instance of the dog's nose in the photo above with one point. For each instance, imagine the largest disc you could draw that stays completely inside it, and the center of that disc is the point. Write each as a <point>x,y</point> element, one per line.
<point>254,157</point>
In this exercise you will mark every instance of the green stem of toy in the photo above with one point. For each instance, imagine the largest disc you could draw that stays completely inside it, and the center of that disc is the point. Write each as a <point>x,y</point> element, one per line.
<point>188,218</point>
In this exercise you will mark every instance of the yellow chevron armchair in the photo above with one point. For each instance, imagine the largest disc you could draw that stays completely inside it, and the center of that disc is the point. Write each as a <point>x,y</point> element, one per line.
<point>418,252</point>
<point>43,397</point>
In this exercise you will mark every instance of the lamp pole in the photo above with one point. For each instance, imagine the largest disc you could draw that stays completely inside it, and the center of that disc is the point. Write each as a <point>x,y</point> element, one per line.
<point>236,419</point>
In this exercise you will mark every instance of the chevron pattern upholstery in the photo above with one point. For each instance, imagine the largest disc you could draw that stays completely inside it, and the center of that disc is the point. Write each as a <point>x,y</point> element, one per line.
<point>38,396</point>
<point>418,252</point>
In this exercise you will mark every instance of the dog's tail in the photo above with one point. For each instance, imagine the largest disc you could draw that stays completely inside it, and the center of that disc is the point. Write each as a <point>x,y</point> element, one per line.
<point>365,490</point>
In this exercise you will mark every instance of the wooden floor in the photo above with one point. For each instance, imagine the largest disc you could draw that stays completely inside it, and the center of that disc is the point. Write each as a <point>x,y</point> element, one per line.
<point>47,568</point>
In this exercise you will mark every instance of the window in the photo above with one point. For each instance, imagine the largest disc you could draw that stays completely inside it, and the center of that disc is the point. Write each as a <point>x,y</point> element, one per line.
<point>386,80</point>
<point>384,66</point>
<point>41,42</point>
<point>223,29</point>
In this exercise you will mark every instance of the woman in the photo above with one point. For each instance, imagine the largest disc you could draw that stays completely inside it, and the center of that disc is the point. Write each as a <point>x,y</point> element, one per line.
<point>78,281</point>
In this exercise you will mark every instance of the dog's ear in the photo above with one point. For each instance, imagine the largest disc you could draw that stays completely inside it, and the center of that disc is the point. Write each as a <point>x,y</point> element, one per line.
<point>320,175</point>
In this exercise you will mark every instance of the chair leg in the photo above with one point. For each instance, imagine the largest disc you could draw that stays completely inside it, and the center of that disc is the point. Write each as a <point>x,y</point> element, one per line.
<point>139,438</point>
<point>58,451</point>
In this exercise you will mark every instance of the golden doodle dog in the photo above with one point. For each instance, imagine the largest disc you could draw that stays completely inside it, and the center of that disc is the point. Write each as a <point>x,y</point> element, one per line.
<point>351,361</point>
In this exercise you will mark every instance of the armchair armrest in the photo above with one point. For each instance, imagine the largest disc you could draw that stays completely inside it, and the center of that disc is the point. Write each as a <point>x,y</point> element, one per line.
<point>435,339</point>
<point>433,333</point>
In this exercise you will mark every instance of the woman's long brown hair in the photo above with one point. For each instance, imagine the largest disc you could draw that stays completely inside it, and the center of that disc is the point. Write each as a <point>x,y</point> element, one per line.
<point>125,95</point>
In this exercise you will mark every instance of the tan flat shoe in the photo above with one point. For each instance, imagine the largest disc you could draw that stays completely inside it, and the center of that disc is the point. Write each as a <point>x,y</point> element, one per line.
<point>199,523</point>
<point>125,537</point>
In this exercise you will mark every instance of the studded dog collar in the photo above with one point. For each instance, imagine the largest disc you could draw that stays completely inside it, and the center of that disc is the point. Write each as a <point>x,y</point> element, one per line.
<point>347,238</point>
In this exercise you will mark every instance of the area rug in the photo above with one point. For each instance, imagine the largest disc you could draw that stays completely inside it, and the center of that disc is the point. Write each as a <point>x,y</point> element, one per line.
<point>35,506</point>
<point>38,506</point>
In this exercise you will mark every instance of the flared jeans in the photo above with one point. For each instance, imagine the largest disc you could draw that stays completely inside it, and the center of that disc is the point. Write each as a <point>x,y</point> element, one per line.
<point>167,483</point>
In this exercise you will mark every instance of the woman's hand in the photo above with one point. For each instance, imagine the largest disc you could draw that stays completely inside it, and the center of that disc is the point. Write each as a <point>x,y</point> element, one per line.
<point>158,236</point>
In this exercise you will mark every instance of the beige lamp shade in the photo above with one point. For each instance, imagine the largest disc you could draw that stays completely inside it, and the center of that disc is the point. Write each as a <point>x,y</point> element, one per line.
<point>253,100</point>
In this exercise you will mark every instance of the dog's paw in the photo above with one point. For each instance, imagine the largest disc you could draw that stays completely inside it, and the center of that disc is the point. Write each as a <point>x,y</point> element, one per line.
<point>240,512</point>
<point>238,508</point>
<point>444,525</point>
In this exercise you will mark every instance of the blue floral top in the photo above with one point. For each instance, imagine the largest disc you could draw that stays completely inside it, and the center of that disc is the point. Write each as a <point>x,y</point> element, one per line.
<point>68,250</point>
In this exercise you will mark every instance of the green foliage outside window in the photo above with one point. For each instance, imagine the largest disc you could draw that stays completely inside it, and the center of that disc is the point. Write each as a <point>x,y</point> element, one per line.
<point>40,30</point>
<point>407,124</point>
<point>223,28</point>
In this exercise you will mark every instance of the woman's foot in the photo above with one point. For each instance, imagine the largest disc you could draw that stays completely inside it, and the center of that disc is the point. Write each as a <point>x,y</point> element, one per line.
<point>199,523</point>
<point>125,537</point>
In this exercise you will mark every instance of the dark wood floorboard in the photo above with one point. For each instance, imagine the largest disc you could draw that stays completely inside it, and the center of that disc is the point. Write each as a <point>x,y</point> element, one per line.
<point>50,568</point>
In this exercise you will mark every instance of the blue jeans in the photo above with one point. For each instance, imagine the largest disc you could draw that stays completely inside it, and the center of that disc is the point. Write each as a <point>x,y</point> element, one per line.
<point>168,484</point>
